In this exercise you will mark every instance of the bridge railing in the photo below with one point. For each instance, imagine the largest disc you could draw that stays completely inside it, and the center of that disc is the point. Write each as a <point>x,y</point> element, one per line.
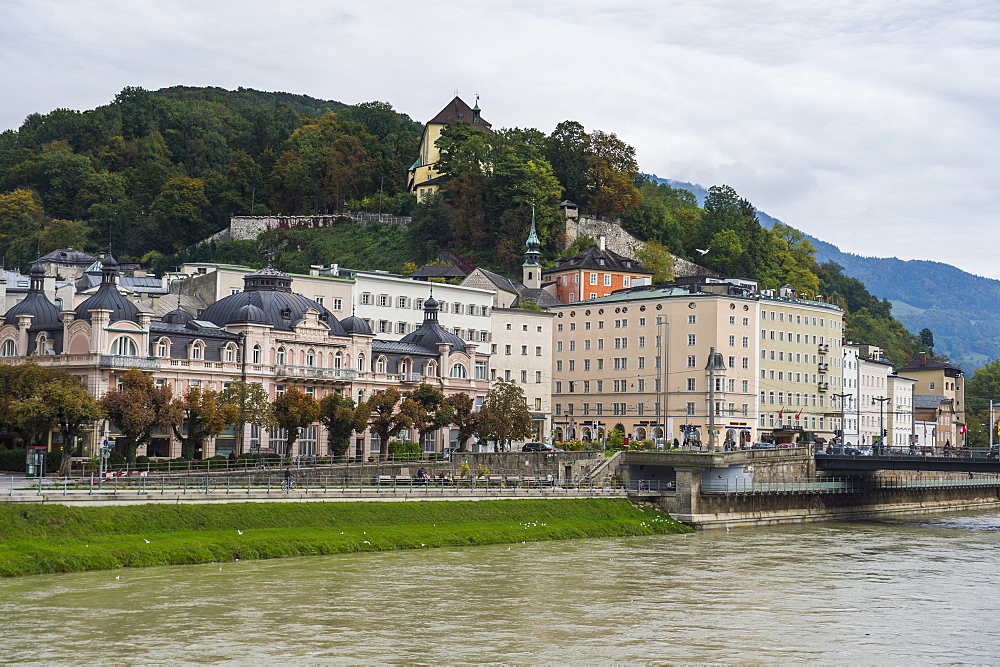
<point>842,485</point>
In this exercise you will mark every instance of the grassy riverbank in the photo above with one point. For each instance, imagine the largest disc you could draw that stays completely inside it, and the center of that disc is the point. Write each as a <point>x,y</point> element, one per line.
<point>37,539</point>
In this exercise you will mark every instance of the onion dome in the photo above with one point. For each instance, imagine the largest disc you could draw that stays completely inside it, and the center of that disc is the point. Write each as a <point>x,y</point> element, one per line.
<point>46,316</point>
<point>356,325</point>
<point>248,314</point>
<point>430,333</point>
<point>108,297</point>
<point>177,316</point>
<point>269,291</point>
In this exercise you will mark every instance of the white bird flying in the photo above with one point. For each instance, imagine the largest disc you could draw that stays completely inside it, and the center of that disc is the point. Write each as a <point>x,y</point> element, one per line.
<point>702,251</point>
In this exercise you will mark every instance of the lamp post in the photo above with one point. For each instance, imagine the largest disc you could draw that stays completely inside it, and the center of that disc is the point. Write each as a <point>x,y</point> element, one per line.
<point>881,400</point>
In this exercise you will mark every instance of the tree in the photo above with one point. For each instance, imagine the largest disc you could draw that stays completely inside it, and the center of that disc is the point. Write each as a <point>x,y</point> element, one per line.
<point>341,419</point>
<point>294,410</point>
<point>252,405</point>
<point>927,338</point>
<point>505,415</point>
<point>137,409</point>
<point>429,412</point>
<point>62,402</point>
<point>656,257</point>
<point>611,169</point>
<point>387,418</point>
<point>197,415</point>
<point>181,210</point>
<point>464,418</point>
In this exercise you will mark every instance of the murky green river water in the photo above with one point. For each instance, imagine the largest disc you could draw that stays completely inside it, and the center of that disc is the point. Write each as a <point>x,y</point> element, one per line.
<point>924,591</point>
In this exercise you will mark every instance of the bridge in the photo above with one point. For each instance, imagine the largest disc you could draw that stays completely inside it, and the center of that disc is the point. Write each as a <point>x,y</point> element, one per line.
<point>845,463</point>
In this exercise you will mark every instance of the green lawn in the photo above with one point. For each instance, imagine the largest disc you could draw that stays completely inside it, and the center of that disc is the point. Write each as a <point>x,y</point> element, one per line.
<point>37,539</point>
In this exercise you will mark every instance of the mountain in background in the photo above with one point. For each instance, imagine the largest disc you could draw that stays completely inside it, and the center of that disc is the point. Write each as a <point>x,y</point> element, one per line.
<point>961,309</point>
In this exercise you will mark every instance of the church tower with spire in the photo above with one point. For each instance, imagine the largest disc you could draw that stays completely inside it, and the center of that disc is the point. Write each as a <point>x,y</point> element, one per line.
<point>532,268</point>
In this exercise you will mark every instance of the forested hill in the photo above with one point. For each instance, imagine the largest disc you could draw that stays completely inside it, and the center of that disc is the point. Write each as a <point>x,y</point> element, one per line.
<point>961,309</point>
<point>155,172</point>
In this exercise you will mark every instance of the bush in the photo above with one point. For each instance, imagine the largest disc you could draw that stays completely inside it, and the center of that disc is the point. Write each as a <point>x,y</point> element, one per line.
<point>142,459</point>
<point>579,446</point>
<point>404,450</point>
<point>116,458</point>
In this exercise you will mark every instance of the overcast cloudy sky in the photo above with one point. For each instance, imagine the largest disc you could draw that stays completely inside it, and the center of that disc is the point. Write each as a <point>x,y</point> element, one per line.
<point>872,125</point>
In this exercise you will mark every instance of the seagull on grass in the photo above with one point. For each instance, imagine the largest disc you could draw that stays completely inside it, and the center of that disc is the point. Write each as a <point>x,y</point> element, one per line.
<point>239,532</point>
<point>147,541</point>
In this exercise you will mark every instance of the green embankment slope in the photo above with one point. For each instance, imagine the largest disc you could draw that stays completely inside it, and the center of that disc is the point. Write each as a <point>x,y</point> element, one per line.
<point>36,539</point>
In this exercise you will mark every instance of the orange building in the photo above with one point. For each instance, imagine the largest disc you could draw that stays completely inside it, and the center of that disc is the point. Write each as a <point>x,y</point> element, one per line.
<point>593,273</point>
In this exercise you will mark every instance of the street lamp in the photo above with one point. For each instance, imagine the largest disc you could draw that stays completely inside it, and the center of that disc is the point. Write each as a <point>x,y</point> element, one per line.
<point>843,434</point>
<point>881,420</point>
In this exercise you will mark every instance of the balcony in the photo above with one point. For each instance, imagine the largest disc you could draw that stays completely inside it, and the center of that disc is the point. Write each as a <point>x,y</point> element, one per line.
<point>823,348</point>
<point>823,386</point>
<point>411,377</point>
<point>314,372</point>
<point>118,361</point>
<point>823,367</point>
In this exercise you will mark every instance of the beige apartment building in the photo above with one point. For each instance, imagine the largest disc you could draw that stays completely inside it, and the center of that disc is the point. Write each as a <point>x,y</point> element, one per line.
<point>800,379</point>
<point>642,359</point>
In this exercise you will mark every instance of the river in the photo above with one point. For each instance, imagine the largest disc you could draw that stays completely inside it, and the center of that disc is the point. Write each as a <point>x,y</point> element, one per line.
<point>924,590</point>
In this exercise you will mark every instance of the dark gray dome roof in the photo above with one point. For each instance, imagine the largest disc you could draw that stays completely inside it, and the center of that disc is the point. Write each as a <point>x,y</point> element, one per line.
<point>430,333</point>
<point>356,325</point>
<point>248,314</point>
<point>269,290</point>
<point>108,297</point>
<point>46,315</point>
<point>177,316</point>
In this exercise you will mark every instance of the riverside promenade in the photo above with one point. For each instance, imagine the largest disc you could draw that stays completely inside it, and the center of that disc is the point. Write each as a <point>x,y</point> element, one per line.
<point>298,487</point>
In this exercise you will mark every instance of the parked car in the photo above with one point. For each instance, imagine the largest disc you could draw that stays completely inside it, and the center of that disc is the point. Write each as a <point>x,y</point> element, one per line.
<point>539,447</point>
<point>867,451</point>
<point>994,453</point>
<point>841,450</point>
<point>764,445</point>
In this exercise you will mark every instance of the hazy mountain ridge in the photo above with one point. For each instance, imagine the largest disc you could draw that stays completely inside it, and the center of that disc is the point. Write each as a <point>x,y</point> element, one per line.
<point>960,308</point>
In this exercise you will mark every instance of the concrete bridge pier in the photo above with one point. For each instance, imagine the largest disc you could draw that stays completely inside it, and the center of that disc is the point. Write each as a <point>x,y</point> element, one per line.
<point>686,502</point>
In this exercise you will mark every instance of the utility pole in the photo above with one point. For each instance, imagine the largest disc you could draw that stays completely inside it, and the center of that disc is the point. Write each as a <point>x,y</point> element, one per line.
<point>992,424</point>
<point>881,420</point>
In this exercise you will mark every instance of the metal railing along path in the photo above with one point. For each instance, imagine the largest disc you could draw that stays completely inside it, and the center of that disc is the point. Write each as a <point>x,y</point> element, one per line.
<point>842,485</point>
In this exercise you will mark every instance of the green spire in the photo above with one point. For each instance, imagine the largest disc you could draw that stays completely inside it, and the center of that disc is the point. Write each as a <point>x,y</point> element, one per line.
<point>533,245</point>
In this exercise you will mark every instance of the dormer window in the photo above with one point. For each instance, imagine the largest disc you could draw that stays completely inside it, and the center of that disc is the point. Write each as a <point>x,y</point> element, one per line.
<point>196,350</point>
<point>286,314</point>
<point>123,346</point>
<point>230,354</point>
<point>9,348</point>
<point>162,348</point>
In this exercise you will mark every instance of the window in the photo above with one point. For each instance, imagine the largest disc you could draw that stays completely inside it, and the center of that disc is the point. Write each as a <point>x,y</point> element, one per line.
<point>196,350</point>
<point>692,319</point>
<point>524,348</point>
<point>732,341</point>
<point>10,348</point>
<point>689,408</point>
<point>538,350</point>
<point>600,343</point>
<point>310,358</point>
<point>162,348</point>
<point>361,362</point>
<point>279,357</point>
<point>692,361</point>
<point>458,371</point>
<point>366,299</point>
<point>380,365</point>
<point>593,278</point>
<point>626,281</point>
<point>230,353</point>
<point>338,304</point>
<point>607,280</point>
<point>255,356</point>
<point>642,341</point>
<point>123,346</point>
<point>691,384</point>
<point>692,339</point>
<point>524,375</point>
<point>480,370</point>
<point>559,365</point>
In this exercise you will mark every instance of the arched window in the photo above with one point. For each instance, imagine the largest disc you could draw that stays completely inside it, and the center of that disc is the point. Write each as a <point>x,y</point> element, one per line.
<point>196,350</point>
<point>123,346</point>
<point>42,344</point>
<point>405,365</point>
<point>361,362</point>
<point>280,357</point>
<point>9,348</point>
<point>338,360</point>
<point>230,353</point>
<point>162,348</point>
<point>310,358</point>
<point>256,354</point>
<point>432,369</point>
<point>380,364</point>
<point>458,371</point>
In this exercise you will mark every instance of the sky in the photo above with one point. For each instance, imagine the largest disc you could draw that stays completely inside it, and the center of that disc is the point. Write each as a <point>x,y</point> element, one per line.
<point>872,125</point>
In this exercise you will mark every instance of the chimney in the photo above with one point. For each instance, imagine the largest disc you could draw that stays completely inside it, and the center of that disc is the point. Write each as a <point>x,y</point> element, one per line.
<point>923,358</point>
<point>602,242</point>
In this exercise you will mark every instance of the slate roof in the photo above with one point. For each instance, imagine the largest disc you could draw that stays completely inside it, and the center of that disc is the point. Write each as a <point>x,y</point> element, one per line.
<point>46,315</point>
<point>430,333</point>
<point>928,401</point>
<point>601,260</point>
<point>438,272</point>
<point>399,347</point>
<point>108,297</point>
<point>356,325</point>
<point>457,111</point>
<point>270,291</point>
<point>539,296</point>
<point>68,256</point>
<point>929,364</point>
